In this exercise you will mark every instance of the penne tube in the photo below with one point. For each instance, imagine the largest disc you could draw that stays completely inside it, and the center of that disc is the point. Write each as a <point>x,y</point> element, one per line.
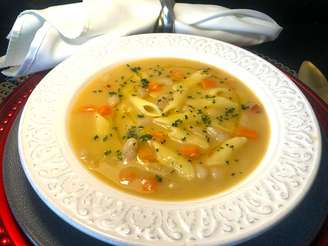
<point>145,107</point>
<point>223,153</point>
<point>169,158</point>
<point>182,89</point>
<point>219,102</point>
<point>181,136</point>
<point>102,125</point>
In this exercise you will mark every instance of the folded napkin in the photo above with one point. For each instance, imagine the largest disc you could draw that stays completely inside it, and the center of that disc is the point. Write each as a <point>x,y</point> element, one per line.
<point>40,39</point>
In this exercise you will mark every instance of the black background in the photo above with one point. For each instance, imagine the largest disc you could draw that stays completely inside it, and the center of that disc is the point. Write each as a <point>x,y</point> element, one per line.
<point>304,36</point>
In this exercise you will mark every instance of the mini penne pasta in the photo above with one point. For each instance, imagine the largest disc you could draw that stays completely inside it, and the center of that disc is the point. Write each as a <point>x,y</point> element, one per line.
<point>168,121</point>
<point>220,91</point>
<point>123,114</point>
<point>102,125</point>
<point>145,107</point>
<point>169,158</point>
<point>217,101</point>
<point>180,136</point>
<point>223,153</point>
<point>182,90</point>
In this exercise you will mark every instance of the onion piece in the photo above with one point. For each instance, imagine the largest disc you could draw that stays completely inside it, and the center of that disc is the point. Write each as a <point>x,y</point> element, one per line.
<point>217,134</point>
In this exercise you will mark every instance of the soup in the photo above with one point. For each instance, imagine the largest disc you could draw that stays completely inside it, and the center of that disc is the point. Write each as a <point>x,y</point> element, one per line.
<point>168,129</point>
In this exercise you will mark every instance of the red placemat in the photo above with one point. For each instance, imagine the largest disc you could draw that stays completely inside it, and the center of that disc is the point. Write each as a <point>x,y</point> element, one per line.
<point>11,234</point>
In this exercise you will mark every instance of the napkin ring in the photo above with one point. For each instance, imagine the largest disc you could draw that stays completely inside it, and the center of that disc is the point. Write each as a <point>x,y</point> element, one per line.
<point>166,19</point>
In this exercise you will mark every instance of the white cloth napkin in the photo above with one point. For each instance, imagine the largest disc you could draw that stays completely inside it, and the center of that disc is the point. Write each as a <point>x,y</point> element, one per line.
<point>40,39</point>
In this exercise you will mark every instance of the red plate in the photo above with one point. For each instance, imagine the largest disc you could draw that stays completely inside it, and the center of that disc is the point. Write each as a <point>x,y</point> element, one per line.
<point>11,234</point>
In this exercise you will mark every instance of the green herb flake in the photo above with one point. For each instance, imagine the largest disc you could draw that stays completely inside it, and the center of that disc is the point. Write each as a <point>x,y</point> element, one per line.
<point>206,119</point>
<point>159,179</point>
<point>132,132</point>
<point>244,107</point>
<point>119,155</point>
<point>177,123</point>
<point>134,69</point>
<point>144,83</point>
<point>145,137</point>
<point>107,152</point>
<point>95,137</point>
<point>105,138</point>
<point>140,116</point>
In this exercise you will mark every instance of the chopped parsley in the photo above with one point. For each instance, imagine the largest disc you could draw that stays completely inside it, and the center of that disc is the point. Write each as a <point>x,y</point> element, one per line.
<point>206,119</point>
<point>95,137</point>
<point>158,178</point>
<point>134,69</point>
<point>119,155</point>
<point>177,123</point>
<point>145,137</point>
<point>132,132</point>
<point>144,83</point>
<point>244,107</point>
<point>107,152</point>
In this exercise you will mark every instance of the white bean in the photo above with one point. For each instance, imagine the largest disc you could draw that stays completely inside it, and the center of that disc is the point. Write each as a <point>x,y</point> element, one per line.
<point>113,100</point>
<point>172,185</point>
<point>215,173</point>
<point>201,171</point>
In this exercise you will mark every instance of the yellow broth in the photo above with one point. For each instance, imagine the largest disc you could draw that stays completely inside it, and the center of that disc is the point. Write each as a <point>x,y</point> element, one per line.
<point>154,128</point>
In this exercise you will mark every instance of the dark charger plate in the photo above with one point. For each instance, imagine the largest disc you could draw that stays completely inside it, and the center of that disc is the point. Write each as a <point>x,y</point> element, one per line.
<point>43,227</point>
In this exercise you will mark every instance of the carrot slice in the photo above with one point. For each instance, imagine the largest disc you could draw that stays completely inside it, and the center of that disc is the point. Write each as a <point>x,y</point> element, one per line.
<point>127,176</point>
<point>148,184</point>
<point>154,86</point>
<point>246,132</point>
<point>176,74</point>
<point>209,83</point>
<point>88,108</point>
<point>255,108</point>
<point>105,110</point>
<point>146,153</point>
<point>159,136</point>
<point>189,151</point>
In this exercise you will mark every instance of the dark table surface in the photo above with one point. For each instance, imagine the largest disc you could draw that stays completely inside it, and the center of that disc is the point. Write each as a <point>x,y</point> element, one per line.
<point>304,36</point>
